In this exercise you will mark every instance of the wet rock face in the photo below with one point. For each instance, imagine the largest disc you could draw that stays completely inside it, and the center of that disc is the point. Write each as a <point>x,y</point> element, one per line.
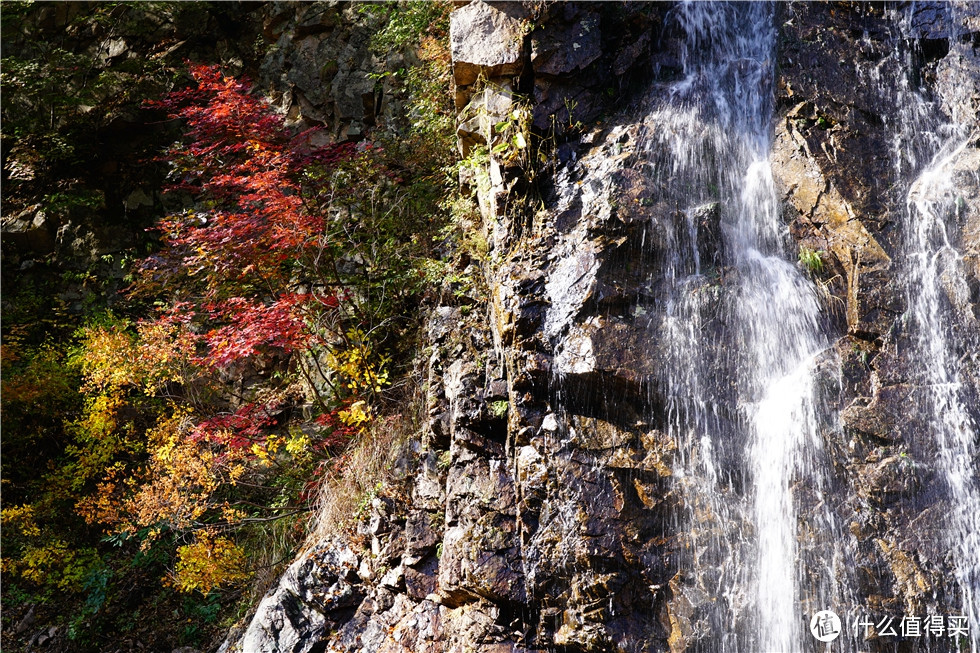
<point>542,509</point>
<point>835,151</point>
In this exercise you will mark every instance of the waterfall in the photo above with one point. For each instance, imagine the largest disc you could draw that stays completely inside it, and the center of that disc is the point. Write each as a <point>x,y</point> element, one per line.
<point>927,148</point>
<point>934,263</point>
<point>744,336</point>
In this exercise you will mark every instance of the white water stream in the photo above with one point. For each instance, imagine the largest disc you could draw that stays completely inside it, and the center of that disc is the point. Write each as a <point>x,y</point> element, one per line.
<point>928,150</point>
<point>935,264</point>
<point>749,440</point>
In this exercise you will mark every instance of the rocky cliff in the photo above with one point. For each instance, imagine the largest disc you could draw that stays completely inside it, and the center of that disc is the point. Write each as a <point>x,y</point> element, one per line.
<point>546,504</point>
<point>545,511</point>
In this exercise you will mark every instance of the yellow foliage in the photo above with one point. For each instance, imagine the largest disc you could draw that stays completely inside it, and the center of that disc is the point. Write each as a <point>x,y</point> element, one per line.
<point>358,415</point>
<point>272,444</point>
<point>57,564</point>
<point>259,451</point>
<point>358,367</point>
<point>104,507</point>
<point>99,419</point>
<point>22,517</point>
<point>232,515</point>
<point>298,444</point>
<point>111,358</point>
<point>164,355</point>
<point>98,441</point>
<point>235,472</point>
<point>177,484</point>
<point>212,560</point>
<point>182,477</point>
<point>106,358</point>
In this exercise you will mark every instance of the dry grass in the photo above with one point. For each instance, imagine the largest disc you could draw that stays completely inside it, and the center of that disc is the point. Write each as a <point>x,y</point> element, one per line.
<point>367,468</point>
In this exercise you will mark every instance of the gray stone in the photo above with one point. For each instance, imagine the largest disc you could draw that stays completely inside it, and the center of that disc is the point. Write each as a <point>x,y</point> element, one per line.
<point>30,231</point>
<point>296,614</point>
<point>486,109</point>
<point>487,39</point>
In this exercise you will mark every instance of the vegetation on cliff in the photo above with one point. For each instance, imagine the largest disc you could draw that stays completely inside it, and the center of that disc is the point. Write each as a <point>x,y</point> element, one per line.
<point>164,444</point>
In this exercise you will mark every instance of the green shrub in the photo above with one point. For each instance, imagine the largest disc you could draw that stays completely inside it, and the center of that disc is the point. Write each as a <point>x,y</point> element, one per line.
<point>811,260</point>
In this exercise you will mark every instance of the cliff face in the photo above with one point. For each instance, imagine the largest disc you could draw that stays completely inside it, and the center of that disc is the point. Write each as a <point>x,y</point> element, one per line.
<point>552,501</point>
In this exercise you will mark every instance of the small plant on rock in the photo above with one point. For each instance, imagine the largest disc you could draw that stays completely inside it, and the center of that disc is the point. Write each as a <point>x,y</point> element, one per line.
<point>499,408</point>
<point>811,260</point>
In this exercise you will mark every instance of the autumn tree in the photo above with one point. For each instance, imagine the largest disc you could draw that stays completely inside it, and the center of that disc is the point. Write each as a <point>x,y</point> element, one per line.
<point>271,328</point>
<point>285,285</point>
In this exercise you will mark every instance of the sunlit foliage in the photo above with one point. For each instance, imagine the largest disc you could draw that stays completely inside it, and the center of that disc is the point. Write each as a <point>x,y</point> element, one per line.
<point>268,331</point>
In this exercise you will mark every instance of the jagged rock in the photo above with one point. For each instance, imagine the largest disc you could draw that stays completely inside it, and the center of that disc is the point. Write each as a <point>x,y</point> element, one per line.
<point>606,350</point>
<point>44,636</point>
<point>422,582</point>
<point>421,533</point>
<point>487,39</point>
<point>322,67</point>
<point>484,112</point>
<point>442,323</point>
<point>832,225</point>
<point>30,231</point>
<point>25,622</point>
<point>566,49</point>
<point>886,417</point>
<point>311,598</point>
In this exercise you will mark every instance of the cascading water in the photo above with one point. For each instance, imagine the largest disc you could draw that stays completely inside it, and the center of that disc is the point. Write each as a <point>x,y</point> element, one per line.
<point>788,506</point>
<point>930,200</point>
<point>927,148</point>
<point>743,335</point>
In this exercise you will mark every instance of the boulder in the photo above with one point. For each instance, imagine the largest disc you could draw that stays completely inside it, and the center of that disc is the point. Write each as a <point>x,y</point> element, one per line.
<point>487,40</point>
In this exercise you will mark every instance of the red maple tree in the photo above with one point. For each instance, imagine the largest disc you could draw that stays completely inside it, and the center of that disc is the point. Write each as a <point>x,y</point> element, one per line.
<point>246,258</point>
